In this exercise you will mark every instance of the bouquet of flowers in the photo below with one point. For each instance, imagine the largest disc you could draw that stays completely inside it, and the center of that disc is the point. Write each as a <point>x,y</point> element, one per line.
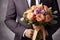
<point>39,16</point>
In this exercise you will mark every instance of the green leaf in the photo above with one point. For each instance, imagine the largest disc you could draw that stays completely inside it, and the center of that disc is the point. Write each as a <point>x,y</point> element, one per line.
<point>39,35</point>
<point>54,16</point>
<point>25,15</point>
<point>53,22</point>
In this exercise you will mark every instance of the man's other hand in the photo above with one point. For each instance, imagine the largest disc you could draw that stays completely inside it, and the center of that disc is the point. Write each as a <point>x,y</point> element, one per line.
<point>28,33</point>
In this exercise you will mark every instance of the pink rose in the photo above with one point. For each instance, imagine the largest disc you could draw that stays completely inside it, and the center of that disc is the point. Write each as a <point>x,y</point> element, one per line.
<point>47,18</point>
<point>30,16</point>
<point>40,17</point>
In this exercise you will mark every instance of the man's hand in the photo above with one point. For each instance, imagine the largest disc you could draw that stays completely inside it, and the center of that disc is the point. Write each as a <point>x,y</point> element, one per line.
<point>28,33</point>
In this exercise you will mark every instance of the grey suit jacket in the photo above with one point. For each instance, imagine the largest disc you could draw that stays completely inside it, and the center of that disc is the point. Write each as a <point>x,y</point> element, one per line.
<point>15,11</point>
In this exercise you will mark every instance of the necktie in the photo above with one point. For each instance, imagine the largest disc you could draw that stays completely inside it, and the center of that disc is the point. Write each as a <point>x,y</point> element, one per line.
<point>33,2</point>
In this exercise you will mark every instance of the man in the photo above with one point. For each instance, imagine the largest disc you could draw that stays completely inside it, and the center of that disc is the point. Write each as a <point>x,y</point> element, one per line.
<point>15,11</point>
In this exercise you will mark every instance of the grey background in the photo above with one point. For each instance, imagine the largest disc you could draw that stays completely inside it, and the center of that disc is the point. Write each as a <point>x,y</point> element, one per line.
<point>5,33</point>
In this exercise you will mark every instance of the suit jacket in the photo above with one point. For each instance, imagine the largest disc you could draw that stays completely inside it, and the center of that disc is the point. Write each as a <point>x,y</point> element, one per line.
<point>15,11</point>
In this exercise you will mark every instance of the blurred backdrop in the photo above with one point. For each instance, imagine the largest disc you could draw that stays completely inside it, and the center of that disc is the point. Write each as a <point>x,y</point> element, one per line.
<point>5,33</point>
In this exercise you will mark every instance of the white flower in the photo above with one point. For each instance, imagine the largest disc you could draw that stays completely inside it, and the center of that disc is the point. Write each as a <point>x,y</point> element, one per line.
<point>22,19</point>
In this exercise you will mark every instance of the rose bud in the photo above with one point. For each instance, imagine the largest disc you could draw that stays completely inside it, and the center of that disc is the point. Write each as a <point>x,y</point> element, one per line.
<point>45,8</point>
<point>47,18</point>
<point>43,11</point>
<point>30,16</point>
<point>33,7</point>
<point>39,17</point>
<point>36,11</point>
<point>40,6</point>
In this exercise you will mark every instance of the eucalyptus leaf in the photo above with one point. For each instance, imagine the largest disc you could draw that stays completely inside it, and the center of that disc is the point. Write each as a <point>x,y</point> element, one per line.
<point>53,22</point>
<point>55,12</point>
<point>54,16</point>
<point>30,22</point>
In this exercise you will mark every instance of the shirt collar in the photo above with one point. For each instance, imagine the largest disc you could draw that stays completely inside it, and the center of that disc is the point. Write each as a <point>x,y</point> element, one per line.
<point>29,2</point>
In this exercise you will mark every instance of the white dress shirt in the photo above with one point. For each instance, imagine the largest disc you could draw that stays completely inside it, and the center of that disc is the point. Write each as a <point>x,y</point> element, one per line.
<point>29,2</point>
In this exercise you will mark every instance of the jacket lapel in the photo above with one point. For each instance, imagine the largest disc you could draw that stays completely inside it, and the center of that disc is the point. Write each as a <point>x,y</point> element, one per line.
<point>22,6</point>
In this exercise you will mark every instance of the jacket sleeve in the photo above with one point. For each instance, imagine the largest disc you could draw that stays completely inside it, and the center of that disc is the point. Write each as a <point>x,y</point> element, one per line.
<point>10,20</point>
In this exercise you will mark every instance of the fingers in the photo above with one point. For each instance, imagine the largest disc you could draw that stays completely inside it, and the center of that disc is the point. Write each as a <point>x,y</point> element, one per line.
<point>29,33</point>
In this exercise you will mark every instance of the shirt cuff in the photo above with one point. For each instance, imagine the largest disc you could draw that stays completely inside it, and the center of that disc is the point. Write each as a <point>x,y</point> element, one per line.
<point>24,33</point>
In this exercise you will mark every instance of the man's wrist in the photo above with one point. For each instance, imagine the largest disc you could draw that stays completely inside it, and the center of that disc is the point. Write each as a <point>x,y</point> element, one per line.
<point>24,33</point>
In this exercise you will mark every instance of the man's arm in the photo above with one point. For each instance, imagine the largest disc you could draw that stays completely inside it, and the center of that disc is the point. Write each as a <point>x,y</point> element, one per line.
<point>10,20</point>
